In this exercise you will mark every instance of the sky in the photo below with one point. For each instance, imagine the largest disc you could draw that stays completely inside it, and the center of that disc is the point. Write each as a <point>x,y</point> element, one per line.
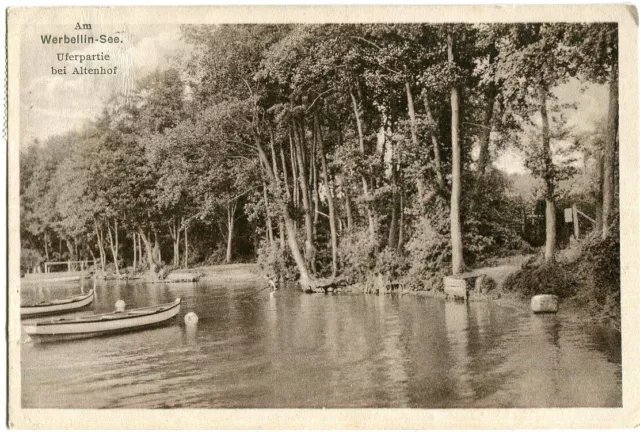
<point>54,104</point>
<point>592,106</point>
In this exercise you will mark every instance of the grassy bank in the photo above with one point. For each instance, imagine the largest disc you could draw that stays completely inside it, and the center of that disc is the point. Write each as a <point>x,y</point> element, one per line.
<point>229,273</point>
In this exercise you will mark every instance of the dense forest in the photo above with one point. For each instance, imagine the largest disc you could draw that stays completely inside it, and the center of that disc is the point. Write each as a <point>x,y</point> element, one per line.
<point>340,152</point>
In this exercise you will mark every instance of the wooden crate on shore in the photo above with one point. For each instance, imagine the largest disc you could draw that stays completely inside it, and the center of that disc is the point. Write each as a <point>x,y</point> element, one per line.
<point>455,286</point>
<point>458,285</point>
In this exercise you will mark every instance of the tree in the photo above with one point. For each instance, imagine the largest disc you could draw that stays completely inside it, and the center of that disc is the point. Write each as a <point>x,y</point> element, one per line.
<point>532,61</point>
<point>596,46</point>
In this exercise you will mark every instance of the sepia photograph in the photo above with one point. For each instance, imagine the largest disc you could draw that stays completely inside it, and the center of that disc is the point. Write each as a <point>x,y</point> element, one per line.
<point>222,210</point>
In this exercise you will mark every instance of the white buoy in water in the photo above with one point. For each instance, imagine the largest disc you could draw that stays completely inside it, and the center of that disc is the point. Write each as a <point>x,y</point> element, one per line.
<point>544,303</point>
<point>191,318</point>
<point>120,306</point>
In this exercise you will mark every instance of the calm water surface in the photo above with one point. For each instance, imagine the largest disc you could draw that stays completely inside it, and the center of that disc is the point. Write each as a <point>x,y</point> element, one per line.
<point>288,349</point>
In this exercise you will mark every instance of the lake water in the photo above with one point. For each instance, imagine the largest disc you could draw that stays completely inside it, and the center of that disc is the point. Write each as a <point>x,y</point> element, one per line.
<point>289,349</point>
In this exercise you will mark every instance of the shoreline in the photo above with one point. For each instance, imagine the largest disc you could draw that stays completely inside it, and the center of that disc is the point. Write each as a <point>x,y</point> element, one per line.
<point>244,273</point>
<point>572,307</point>
<point>228,273</point>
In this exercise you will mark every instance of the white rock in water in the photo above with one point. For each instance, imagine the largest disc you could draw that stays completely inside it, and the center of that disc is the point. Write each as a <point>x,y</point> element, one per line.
<point>190,318</point>
<point>544,303</point>
<point>120,305</point>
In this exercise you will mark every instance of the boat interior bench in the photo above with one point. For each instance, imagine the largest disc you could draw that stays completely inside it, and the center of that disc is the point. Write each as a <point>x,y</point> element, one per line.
<point>458,286</point>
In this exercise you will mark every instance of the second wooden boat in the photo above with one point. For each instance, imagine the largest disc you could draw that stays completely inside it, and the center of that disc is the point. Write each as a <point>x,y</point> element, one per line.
<point>102,324</point>
<point>51,307</point>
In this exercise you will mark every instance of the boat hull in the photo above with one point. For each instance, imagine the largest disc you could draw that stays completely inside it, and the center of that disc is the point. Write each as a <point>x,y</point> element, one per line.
<point>101,325</point>
<point>75,304</point>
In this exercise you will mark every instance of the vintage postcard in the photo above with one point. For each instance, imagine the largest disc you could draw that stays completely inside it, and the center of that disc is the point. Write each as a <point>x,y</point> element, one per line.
<point>323,217</point>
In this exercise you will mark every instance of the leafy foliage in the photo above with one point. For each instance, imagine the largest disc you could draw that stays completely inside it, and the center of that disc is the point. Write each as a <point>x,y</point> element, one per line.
<point>549,278</point>
<point>329,148</point>
<point>600,265</point>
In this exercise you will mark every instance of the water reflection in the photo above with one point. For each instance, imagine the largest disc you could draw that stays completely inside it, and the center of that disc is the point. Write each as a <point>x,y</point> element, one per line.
<point>393,354</point>
<point>457,322</point>
<point>254,348</point>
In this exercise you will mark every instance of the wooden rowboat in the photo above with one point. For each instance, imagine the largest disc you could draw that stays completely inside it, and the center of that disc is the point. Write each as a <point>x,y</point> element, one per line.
<point>102,324</point>
<point>59,306</point>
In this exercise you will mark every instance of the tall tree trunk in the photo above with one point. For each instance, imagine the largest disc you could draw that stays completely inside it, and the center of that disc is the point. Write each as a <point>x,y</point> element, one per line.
<point>282,234</point>
<point>345,187</point>
<point>401,222</point>
<point>412,114</point>
<point>485,134</point>
<point>347,205</point>
<point>608,181</point>
<point>597,195</point>
<point>146,239</point>
<point>485,140</point>
<point>267,214</point>
<point>177,244</point>
<point>100,241</point>
<point>174,232</point>
<point>157,253</point>
<point>550,207</point>
<point>114,245</point>
<point>231,216</point>
<point>314,168</point>
<point>393,226</point>
<point>70,248</point>
<point>135,253</point>
<point>46,245</point>
<point>115,229</point>
<point>305,280</point>
<point>416,144</point>
<point>332,211</point>
<point>103,250</point>
<point>294,172</point>
<point>365,186</point>
<point>287,189</point>
<point>437,159</point>
<point>457,260</point>
<point>186,246</point>
<point>93,257</point>
<point>276,172</point>
<point>141,258</point>
<point>310,250</point>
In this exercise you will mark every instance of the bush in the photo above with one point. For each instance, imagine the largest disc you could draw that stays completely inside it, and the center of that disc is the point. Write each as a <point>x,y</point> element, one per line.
<point>391,263</point>
<point>491,221</point>
<point>600,264</point>
<point>599,268</point>
<point>217,256</point>
<point>547,278</point>
<point>358,254</point>
<point>486,241</point>
<point>29,258</point>
<point>276,264</point>
<point>429,252</point>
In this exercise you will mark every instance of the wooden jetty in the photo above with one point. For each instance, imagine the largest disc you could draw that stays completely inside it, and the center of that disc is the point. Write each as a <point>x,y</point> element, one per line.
<point>71,274</point>
<point>458,286</point>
